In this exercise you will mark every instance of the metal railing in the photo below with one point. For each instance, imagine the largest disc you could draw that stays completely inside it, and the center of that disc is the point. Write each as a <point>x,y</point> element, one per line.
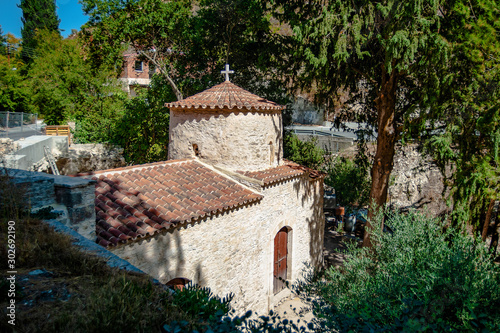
<point>316,132</point>
<point>15,122</point>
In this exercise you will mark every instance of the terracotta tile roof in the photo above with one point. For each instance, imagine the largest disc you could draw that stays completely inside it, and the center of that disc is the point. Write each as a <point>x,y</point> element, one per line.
<point>283,172</point>
<point>140,201</point>
<point>225,96</point>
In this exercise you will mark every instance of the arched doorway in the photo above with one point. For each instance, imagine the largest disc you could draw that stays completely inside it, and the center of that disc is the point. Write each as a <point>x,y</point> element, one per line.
<point>280,260</point>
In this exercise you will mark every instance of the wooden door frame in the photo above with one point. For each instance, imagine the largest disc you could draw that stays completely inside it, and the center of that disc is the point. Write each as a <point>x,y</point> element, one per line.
<point>288,257</point>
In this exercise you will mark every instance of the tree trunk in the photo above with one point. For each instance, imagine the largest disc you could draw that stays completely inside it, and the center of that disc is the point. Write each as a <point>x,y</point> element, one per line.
<point>386,140</point>
<point>487,220</point>
<point>494,237</point>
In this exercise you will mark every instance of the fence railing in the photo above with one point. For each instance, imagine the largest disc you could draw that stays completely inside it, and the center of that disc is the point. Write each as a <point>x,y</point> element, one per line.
<point>14,122</point>
<point>316,132</point>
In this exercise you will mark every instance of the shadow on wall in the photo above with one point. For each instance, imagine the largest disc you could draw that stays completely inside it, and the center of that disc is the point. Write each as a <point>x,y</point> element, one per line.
<point>310,193</point>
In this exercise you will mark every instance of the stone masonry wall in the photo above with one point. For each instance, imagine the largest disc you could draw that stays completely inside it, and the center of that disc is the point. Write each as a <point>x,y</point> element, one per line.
<point>235,140</point>
<point>241,246</point>
<point>90,157</point>
<point>7,146</point>
<point>70,196</point>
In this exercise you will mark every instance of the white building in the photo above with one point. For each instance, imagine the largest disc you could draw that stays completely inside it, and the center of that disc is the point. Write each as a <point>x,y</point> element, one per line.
<point>226,211</point>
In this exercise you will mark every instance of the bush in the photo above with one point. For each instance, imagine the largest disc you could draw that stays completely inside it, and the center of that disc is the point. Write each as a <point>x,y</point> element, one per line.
<point>143,129</point>
<point>350,181</point>
<point>303,152</point>
<point>422,277</point>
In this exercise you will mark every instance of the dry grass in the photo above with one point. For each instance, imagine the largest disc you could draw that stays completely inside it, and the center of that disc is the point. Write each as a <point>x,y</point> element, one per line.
<point>76,291</point>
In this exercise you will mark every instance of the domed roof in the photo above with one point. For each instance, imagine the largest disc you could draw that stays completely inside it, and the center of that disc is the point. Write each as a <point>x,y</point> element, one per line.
<point>226,95</point>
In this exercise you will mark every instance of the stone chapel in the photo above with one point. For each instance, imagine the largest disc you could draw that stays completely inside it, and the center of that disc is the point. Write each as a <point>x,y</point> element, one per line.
<point>225,211</point>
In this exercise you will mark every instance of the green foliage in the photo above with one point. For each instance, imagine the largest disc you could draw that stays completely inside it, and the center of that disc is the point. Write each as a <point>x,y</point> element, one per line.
<point>3,43</point>
<point>152,28</point>
<point>236,32</point>
<point>37,15</point>
<point>142,131</point>
<point>382,52</point>
<point>303,152</point>
<point>14,91</point>
<point>195,300</point>
<point>423,277</point>
<point>350,181</point>
<point>466,137</point>
<point>63,86</point>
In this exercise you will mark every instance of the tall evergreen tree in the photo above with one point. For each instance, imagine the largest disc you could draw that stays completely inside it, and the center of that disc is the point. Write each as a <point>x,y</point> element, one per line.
<point>411,67</point>
<point>384,52</point>
<point>37,15</point>
<point>3,42</point>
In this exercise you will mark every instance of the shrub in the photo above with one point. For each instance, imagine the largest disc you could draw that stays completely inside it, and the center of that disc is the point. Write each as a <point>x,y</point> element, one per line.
<point>422,277</point>
<point>350,181</point>
<point>303,152</point>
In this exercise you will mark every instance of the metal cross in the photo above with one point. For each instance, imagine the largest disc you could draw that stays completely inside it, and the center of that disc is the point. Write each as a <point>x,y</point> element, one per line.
<point>227,72</point>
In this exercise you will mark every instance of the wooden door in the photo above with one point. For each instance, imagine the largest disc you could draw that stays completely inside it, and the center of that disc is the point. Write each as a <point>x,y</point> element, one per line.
<point>280,260</point>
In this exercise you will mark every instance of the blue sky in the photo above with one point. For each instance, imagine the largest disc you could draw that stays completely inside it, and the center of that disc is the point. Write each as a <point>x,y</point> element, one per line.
<point>69,12</point>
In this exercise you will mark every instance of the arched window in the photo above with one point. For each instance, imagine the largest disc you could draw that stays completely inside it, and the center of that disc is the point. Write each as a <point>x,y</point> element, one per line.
<point>178,283</point>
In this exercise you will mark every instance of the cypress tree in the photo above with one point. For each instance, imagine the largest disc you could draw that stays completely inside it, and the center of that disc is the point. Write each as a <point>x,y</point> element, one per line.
<point>37,14</point>
<point>3,42</point>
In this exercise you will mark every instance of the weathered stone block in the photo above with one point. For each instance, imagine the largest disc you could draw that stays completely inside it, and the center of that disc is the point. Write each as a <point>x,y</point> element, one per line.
<point>69,197</point>
<point>78,215</point>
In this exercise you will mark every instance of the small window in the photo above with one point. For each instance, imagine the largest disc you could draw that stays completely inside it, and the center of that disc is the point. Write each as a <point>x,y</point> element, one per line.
<point>138,66</point>
<point>196,150</point>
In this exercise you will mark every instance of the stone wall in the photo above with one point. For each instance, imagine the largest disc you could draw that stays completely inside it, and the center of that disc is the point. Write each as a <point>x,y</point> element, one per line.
<point>235,140</point>
<point>241,246</point>
<point>90,157</point>
<point>331,144</point>
<point>8,146</point>
<point>416,182</point>
<point>305,112</point>
<point>72,197</point>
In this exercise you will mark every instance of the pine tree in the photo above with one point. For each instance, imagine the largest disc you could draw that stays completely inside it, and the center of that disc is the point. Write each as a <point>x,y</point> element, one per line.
<point>37,14</point>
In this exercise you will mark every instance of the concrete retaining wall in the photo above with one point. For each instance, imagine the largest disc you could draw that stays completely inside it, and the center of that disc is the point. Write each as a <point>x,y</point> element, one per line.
<point>30,155</point>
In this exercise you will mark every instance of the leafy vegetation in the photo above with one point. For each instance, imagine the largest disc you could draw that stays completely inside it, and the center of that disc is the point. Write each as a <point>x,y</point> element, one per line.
<point>143,129</point>
<point>37,15</point>
<point>306,153</point>
<point>466,137</point>
<point>350,181</point>
<point>423,277</point>
<point>410,67</point>
<point>152,28</point>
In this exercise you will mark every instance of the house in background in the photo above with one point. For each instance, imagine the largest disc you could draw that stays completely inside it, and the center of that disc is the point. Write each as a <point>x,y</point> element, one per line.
<point>226,211</point>
<point>136,73</point>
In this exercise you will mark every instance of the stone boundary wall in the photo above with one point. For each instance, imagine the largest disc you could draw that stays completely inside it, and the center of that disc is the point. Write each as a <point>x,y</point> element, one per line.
<point>92,247</point>
<point>90,157</point>
<point>8,146</point>
<point>416,183</point>
<point>72,197</point>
